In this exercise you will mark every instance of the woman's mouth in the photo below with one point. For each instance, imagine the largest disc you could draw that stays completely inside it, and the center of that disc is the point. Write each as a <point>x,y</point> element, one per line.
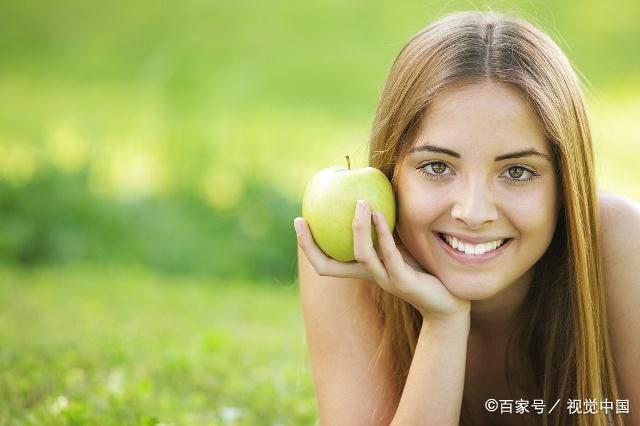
<point>472,253</point>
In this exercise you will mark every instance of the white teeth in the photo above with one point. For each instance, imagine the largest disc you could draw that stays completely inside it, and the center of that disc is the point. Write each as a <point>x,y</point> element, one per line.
<point>475,249</point>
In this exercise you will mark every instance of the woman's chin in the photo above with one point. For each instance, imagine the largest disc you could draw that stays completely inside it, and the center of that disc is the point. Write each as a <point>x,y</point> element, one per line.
<point>469,288</point>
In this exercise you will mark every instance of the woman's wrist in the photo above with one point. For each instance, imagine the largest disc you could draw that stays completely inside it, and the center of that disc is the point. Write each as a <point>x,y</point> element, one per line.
<point>459,319</point>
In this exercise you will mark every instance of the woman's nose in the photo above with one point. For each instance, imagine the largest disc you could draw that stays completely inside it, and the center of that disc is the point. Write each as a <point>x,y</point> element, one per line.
<point>474,205</point>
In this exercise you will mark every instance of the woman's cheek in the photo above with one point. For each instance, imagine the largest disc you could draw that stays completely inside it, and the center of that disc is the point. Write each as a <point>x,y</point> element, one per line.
<point>532,209</point>
<point>420,204</point>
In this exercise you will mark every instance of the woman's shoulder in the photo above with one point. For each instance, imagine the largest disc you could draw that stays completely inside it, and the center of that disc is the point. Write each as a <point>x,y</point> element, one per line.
<point>609,201</point>
<point>619,222</point>
<point>620,238</point>
<point>619,215</point>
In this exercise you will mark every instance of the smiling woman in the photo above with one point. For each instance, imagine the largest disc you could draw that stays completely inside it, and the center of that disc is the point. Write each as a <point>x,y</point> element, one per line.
<point>493,286</point>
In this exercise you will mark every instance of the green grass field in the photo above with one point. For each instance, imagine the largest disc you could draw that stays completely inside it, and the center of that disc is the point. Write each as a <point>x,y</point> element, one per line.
<point>113,347</point>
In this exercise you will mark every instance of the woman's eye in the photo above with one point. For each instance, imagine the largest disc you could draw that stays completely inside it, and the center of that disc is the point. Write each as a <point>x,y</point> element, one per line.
<point>516,173</point>
<point>435,168</point>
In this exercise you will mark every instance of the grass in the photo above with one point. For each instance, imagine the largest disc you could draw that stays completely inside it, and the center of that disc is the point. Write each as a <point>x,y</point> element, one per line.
<point>106,346</point>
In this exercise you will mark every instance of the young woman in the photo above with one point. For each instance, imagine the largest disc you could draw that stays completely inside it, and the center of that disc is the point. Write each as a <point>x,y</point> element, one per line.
<point>508,276</point>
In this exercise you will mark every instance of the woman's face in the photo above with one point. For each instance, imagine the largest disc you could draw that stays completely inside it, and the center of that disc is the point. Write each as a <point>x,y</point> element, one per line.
<point>469,175</point>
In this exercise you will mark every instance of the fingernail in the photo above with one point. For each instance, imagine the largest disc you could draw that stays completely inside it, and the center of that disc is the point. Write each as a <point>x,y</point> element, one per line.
<point>297,225</point>
<point>360,204</point>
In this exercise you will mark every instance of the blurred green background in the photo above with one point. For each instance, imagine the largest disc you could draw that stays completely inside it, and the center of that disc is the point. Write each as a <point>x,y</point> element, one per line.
<point>152,158</point>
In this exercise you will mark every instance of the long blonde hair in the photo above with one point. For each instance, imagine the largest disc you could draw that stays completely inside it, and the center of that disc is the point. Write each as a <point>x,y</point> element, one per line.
<point>565,333</point>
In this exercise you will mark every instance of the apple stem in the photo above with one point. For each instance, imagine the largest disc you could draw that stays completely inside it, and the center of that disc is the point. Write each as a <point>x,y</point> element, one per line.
<point>348,162</point>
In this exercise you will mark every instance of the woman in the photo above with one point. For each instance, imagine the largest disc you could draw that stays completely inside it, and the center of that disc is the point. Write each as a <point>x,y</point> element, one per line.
<point>508,277</point>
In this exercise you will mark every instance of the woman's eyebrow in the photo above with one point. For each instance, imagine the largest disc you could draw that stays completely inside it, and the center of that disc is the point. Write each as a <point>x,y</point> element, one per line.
<point>518,154</point>
<point>524,153</point>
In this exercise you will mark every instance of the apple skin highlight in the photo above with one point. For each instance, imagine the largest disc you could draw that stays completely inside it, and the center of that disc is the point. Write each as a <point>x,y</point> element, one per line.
<point>329,205</point>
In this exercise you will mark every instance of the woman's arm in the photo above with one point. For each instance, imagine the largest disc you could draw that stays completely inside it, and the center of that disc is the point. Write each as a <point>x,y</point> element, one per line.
<point>433,392</point>
<point>342,335</point>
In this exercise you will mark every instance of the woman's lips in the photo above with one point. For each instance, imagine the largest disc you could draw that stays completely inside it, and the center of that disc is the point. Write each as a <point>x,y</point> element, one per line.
<point>463,257</point>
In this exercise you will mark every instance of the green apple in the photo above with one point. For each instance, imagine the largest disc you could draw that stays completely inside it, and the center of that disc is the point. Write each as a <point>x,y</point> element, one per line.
<point>329,205</point>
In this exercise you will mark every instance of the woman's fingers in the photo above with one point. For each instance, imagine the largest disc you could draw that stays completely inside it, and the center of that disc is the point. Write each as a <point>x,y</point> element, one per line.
<point>363,249</point>
<point>393,262</point>
<point>323,264</point>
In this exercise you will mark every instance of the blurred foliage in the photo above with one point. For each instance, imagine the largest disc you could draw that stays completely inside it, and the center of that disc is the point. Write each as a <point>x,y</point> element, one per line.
<point>54,218</point>
<point>180,135</point>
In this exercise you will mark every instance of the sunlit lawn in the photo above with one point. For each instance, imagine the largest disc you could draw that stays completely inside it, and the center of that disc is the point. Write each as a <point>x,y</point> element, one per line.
<point>100,346</point>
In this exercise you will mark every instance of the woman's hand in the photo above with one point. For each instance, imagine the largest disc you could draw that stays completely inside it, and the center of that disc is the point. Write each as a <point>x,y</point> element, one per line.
<point>392,267</point>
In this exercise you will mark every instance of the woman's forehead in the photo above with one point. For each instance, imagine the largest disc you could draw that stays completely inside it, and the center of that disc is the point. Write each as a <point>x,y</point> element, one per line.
<point>486,116</point>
